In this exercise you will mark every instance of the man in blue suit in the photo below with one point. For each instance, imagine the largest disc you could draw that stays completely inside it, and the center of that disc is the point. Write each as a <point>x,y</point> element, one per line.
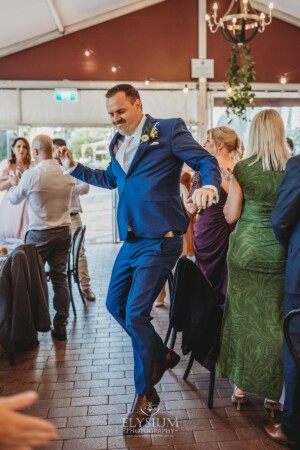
<point>146,159</point>
<point>285,220</point>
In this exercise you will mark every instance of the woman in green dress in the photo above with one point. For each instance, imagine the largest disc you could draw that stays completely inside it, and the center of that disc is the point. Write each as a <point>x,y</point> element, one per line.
<point>252,331</point>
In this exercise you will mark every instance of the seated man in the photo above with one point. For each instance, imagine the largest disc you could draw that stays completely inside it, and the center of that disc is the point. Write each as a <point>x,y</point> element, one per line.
<point>48,192</point>
<point>80,188</point>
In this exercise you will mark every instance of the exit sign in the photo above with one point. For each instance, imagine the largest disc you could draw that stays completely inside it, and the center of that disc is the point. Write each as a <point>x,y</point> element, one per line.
<point>66,95</point>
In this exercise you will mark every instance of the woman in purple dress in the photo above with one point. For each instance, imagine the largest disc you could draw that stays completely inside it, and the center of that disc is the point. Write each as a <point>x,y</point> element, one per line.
<point>211,231</point>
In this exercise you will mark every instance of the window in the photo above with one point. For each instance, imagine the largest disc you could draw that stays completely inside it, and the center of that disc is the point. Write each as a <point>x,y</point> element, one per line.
<point>289,114</point>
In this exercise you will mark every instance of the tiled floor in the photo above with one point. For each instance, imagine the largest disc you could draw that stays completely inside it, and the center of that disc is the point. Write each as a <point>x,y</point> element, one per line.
<point>85,386</point>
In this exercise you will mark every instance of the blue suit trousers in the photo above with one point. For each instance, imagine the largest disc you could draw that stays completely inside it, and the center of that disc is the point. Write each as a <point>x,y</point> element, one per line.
<point>291,411</point>
<point>139,273</point>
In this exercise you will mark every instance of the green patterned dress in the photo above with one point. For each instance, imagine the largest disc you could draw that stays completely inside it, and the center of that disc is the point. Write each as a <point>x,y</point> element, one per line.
<point>252,336</point>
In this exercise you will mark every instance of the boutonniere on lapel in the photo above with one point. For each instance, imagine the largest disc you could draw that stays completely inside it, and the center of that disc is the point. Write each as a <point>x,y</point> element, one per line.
<point>149,133</point>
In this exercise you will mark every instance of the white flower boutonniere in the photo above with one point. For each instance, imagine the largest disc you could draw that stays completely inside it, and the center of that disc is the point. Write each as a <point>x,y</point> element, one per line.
<point>149,133</point>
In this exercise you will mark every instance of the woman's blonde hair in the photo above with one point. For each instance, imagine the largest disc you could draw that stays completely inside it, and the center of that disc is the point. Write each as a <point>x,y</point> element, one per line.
<point>267,140</point>
<point>227,136</point>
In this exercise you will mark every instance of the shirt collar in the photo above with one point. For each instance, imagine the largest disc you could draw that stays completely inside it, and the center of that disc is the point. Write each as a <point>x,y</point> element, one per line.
<point>47,162</point>
<point>138,131</point>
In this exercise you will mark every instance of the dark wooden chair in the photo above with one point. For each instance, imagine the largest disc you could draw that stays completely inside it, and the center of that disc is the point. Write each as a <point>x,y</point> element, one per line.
<point>195,311</point>
<point>73,264</point>
<point>24,301</point>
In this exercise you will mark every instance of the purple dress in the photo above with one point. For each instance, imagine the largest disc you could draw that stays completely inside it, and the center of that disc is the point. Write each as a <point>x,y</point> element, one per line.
<point>211,237</point>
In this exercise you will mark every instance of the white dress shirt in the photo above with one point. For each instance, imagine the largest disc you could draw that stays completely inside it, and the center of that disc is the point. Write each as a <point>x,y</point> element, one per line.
<point>48,192</point>
<point>129,146</point>
<point>80,188</point>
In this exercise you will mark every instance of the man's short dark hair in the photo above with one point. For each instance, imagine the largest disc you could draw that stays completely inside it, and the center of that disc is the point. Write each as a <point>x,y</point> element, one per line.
<point>128,90</point>
<point>58,141</point>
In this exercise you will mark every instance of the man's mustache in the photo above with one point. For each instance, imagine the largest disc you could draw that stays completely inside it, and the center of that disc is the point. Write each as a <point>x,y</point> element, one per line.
<point>119,122</point>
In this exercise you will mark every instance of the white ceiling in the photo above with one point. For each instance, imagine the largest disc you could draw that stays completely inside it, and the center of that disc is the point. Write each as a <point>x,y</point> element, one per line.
<point>287,10</point>
<point>25,23</point>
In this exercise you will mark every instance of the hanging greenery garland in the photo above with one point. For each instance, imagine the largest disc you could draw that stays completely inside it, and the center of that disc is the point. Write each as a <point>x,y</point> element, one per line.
<point>238,85</point>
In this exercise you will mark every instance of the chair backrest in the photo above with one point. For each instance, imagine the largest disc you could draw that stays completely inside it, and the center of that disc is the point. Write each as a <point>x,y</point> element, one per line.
<point>77,241</point>
<point>24,294</point>
<point>189,283</point>
<point>6,295</point>
<point>291,327</point>
<point>195,311</point>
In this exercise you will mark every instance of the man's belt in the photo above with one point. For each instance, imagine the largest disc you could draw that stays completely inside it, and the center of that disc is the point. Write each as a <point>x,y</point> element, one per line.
<point>170,234</point>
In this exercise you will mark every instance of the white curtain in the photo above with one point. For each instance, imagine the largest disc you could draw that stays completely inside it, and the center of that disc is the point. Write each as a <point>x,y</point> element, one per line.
<point>37,107</point>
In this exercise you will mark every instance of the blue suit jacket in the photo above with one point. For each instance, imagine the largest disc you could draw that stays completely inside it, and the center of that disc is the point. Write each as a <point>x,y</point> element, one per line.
<point>285,220</point>
<point>149,194</point>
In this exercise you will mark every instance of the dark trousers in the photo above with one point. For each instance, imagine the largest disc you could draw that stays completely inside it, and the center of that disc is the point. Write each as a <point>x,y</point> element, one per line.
<point>54,247</point>
<point>291,411</point>
<point>140,271</point>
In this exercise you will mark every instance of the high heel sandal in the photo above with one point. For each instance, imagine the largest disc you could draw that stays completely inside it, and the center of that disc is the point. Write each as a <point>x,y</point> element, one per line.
<point>238,399</point>
<point>272,406</point>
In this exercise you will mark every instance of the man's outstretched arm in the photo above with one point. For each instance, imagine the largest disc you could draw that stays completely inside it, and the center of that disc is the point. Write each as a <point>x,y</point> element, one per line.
<point>96,177</point>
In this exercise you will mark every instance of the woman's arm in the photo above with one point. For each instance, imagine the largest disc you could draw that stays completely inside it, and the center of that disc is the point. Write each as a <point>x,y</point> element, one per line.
<point>234,204</point>
<point>5,167</point>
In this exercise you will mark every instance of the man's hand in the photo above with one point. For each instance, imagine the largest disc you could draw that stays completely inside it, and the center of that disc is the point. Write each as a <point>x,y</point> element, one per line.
<point>64,155</point>
<point>204,198</point>
<point>21,431</point>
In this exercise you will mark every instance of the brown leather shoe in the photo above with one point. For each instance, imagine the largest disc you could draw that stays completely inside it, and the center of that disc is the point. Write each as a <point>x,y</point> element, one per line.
<point>89,295</point>
<point>58,336</point>
<point>142,408</point>
<point>170,360</point>
<point>275,433</point>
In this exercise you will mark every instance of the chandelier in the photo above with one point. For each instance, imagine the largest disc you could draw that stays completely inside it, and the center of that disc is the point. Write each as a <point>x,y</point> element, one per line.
<point>240,23</point>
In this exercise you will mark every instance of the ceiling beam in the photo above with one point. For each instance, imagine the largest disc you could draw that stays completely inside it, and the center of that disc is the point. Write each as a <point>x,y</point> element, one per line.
<point>113,14</point>
<point>55,16</point>
<point>140,85</point>
<point>92,85</point>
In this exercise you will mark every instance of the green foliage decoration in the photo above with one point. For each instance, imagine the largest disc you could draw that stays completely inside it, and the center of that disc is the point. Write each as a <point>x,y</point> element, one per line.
<point>240,75</point>
<point>3,147</point>
<point>79,136</point>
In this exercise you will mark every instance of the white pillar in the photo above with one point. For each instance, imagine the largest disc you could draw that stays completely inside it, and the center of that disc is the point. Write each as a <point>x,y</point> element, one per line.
<point>202,54</point>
